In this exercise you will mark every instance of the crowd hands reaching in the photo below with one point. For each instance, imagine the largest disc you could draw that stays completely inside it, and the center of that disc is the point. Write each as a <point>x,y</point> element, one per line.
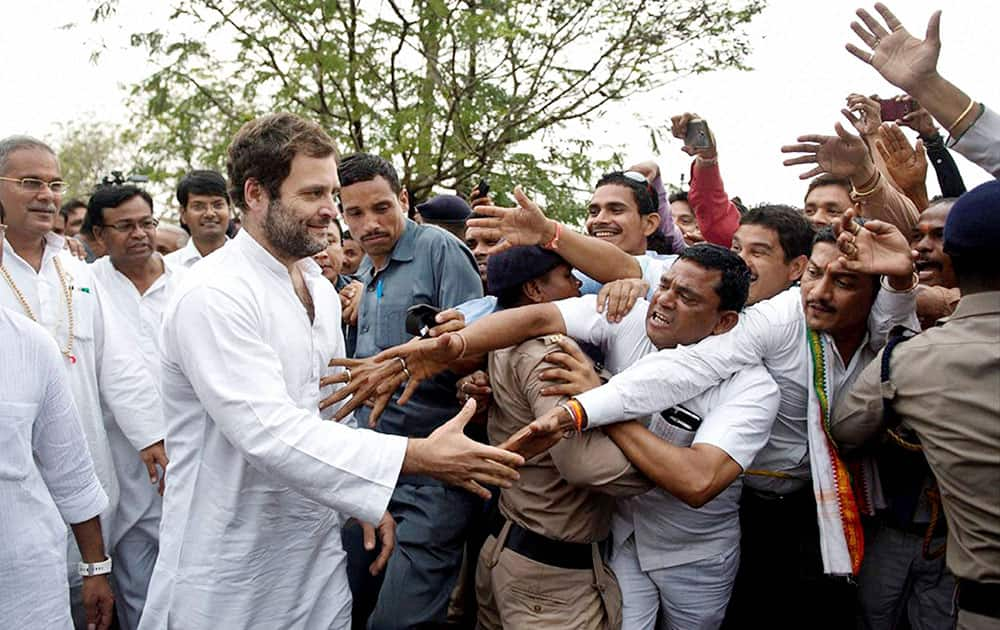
<point>669,365</point>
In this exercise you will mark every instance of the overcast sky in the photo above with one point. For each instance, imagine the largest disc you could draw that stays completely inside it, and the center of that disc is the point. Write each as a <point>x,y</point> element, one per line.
<point>800,79</point>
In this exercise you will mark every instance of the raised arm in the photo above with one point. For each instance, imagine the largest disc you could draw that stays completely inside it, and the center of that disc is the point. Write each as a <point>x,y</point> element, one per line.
<point>527,225</point>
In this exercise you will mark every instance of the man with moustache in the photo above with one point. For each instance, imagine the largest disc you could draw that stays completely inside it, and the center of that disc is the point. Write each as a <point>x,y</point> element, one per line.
<point>204,215</point>
<point>252,513</point>
<point>42,281</point>
<point>138,283</point>
<point>938,294</point>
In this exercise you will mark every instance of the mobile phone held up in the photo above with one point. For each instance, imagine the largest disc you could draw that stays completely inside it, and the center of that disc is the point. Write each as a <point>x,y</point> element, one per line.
<point>697,135</point>
<point>482,189</point>
<point>420,319</point>
<point>892,109</point>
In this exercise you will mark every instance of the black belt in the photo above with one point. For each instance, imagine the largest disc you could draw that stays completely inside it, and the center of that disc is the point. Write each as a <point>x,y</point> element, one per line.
<point>556,553</point>
<point>979,598</point>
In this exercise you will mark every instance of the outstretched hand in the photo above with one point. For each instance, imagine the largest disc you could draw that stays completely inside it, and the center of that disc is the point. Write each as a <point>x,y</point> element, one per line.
<point>875,248</point>
<point>907,165</point>
<point>842,155</point>
<point>542,434</point>
<point>449,455</point>
<point>898,56</point>
<point>525,224</point>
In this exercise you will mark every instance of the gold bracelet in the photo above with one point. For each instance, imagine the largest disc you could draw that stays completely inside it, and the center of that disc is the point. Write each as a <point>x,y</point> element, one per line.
<point>874,186</point>
<point>972,103</point>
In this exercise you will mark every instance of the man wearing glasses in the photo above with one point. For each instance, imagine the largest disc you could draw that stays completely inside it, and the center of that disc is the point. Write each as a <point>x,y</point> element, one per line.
<point>204,215</point>
<point>138,283</point>
<point>42,281</point>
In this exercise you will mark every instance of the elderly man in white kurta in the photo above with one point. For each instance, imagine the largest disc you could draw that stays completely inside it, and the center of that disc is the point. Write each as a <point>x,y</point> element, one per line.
<point>46,481</point>
<point>41,280</point>
<point>250,534</point>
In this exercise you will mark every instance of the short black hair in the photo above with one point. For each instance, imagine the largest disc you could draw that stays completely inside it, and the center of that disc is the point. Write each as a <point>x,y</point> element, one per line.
<point>734,286</point>
<point>346,235</point>
<point>69,206</point>
<point>112,197</point>
<point>365,167</point>
<point>643,193</point>
<point>795,233</point>
<point>680,195</point>
<point>201,182</point>
<point>829,180</point>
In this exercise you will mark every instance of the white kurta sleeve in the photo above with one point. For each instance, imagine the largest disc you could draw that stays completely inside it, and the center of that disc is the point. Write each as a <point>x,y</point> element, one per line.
<point>124,381</point>
<point>60,447</point>
<point>890,309</point>
<point>219,343</point>
<point>670,377</point>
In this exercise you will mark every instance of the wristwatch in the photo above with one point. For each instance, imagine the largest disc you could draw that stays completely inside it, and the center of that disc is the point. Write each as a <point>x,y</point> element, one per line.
<point>90,569</point>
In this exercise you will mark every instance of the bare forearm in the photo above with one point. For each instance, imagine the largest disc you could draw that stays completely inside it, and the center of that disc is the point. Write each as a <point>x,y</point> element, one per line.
<point>89,540</point>
<point>684,472</point>
<point>512,326</point>
<point>598,259</point>
<point>945,102</point>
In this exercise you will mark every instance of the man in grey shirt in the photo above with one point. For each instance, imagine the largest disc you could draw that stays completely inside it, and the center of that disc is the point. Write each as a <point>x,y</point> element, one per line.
<point>407,264</point>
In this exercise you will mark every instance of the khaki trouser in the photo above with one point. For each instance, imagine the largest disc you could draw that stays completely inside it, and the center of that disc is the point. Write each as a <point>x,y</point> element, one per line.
<point>515,592</point>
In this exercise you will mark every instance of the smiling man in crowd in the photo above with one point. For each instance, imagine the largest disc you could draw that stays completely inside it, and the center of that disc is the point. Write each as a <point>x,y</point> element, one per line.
<point>204,215</point>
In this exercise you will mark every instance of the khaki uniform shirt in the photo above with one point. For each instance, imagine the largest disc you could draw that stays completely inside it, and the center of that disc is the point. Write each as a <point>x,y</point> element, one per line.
<point>947,389</point>
<point>567,493</point>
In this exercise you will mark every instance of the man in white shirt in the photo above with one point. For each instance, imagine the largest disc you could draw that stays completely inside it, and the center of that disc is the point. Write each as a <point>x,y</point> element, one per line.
<point>251,523</point>
<point>204,215</point>
<point>39,279</point>
<point>46,481</point>
<point>137,283</point>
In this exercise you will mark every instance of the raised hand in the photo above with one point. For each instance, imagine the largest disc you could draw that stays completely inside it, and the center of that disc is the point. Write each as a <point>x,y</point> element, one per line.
<point>362,379</point>
<point>843,155</point>
<point>865,114</point>
<point>899,57</point>
<point>524,225</point>
<point>919,120</point>
<point>574,372</point>
<point>648,169</point>
<point>905,164</point>
<point>449,455</point>
<point>678,127</point>
<point>616,298</point>
<point>875,248</point>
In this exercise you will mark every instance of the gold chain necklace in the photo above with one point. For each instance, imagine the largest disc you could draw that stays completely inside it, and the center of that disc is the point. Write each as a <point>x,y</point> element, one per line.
<point>67,295</point>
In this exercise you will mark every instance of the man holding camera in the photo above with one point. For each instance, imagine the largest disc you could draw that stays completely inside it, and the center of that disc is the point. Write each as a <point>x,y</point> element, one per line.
<point>407,264</point>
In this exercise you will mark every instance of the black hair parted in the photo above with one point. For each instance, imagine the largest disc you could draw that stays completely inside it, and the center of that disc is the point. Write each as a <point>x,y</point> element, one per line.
<point>201,182</point>
<point>795,232</point>
<point>365,167</point>
<point>111,197</point>
<point>734,285</point>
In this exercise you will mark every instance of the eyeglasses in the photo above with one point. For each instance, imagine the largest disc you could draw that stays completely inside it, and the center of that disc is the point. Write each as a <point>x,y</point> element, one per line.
<point>35,185</point>
<point>127,227</point>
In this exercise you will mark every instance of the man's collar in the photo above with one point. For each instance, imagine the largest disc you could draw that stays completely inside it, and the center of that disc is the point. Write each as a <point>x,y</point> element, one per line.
<point>245,241</point>
<point>406,245</point>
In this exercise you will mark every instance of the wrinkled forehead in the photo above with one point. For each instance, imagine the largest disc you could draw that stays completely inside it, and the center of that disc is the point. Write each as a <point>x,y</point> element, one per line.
<point>31,162</point>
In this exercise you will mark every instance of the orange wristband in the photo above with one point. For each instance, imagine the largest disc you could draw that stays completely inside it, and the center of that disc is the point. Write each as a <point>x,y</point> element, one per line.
<point>554,243</point>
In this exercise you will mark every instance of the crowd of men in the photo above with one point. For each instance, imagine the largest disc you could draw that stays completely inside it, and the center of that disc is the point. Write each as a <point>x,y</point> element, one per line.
<point>317,404</point>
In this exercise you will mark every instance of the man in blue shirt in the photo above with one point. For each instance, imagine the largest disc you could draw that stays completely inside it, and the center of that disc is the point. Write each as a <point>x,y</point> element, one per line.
<point>407,264</point>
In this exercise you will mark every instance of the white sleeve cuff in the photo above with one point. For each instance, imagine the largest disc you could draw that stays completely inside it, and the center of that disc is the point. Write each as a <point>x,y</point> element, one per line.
<point>603,405</point>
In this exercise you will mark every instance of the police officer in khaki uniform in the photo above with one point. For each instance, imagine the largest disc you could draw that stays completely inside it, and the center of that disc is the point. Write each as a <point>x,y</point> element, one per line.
<point>944,384</point>
<point>542,566</point>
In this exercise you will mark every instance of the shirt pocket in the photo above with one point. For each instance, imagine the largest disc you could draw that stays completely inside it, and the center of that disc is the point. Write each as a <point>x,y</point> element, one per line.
<point>16,421</point>
<point>85,314</point>
<point>391,325</point>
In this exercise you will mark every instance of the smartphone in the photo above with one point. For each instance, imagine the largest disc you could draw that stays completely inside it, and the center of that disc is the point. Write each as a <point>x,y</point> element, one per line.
<point>697,135</point>
<point>682,418</point>
<point>420,319</point>
<point>483,189</point>
<point>895,110</point>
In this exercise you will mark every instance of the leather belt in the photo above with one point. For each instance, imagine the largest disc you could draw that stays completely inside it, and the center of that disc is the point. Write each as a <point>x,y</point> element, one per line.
<point>556,553</point>
<point>980,598</point>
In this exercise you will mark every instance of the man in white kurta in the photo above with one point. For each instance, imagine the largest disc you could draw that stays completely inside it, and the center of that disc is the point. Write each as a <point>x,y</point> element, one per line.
<point>123,221</point>
<point>44,282</point>
<point>250,533</point>
<point>46,477</point>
